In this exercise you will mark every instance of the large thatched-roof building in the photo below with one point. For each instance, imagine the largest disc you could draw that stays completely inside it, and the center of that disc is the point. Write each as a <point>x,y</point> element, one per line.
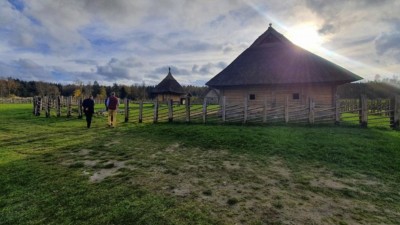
<point>169,89</point>
<point>273,68</point>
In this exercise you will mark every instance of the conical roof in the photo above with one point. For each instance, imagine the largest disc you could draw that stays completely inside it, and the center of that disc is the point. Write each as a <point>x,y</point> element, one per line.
<point>273,59</point>
<point>168,85</point>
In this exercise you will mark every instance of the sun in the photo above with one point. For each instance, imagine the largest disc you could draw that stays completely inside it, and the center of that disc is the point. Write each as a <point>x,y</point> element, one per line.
<point>306,36</point>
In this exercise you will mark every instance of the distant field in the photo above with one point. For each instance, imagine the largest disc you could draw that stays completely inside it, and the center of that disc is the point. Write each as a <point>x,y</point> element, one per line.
<point>55,171</point>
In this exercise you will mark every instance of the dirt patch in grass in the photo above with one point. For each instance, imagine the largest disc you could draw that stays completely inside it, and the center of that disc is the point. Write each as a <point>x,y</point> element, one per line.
<point>112,143</point>
<point>329,183</point>
<point>240,189</point>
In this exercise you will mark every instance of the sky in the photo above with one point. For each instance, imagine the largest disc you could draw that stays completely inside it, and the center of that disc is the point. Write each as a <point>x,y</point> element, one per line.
<point>136,41</point>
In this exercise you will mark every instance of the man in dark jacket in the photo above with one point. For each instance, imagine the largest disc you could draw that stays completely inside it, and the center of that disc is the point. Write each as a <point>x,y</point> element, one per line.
<point>88,109</point>
<point>112,104</point>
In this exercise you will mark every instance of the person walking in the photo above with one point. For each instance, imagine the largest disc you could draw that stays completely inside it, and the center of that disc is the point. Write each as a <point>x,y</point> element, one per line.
<point>112,105</point>
<point>88,109</point>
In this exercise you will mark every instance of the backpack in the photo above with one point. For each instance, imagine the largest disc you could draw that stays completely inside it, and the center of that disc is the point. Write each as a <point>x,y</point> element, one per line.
<point>112,103</point>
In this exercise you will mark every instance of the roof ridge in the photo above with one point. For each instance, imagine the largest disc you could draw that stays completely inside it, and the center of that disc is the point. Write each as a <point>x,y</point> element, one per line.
<point>270,36</point>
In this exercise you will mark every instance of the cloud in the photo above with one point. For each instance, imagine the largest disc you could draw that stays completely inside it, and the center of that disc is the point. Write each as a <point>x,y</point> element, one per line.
<point>387,44</point>
<point>327,28</point>
<point>84,61</point>
<point>25,69</point>
<point>76,39</point>
<point>113,69</point>
<point>195,46</point>
<point>132,62</point>
<point>336,15</point>
<point>209,68</point>
<point>117,69</point>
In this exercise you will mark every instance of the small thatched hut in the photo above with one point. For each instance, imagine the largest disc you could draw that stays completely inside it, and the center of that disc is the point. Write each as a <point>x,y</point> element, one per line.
<point>169,89</point>
<point>273,68</point>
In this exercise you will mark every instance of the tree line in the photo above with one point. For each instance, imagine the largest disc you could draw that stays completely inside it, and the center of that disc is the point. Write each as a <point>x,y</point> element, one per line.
<point>380,88</point>
<point>10,87</point>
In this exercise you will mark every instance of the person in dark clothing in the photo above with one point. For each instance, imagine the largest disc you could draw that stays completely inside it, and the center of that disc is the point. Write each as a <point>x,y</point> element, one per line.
<point>105,103</point>
<point>112,104</point>
<point>88,109</point>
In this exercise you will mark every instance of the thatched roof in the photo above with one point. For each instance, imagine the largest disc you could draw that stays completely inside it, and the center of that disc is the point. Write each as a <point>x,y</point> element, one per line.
<point>273,59</point>
<point>168,86</point>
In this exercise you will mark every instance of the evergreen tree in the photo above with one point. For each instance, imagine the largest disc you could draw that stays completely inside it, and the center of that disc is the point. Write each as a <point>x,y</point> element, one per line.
<point>95,89</point>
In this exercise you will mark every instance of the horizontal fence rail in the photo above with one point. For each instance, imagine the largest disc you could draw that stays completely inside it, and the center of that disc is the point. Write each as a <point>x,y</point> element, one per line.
<point>363,112</point>
<point>19,100</point>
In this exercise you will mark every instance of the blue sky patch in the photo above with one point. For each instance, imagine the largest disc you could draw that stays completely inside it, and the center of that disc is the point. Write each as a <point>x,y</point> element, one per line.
<point>17,4</point>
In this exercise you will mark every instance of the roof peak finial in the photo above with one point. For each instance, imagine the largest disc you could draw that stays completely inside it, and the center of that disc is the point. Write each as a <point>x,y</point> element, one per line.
<point>270,24</point>
<point>169,69</point>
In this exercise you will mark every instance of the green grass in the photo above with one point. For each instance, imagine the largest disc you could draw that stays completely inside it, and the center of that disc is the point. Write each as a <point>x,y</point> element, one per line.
<point>193,174</point>
<point>363,150</point>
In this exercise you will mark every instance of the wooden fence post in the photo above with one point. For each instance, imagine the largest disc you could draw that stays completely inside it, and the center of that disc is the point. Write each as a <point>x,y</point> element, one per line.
<point>223,109</point>
<point>42,99</point>
<point>170,110</point>
<point>155,117</point>
<point>287,109</point>
<point>38,106</point>
<point>41,103</point>
<point>245,110</point>
<point>69,102</point>
<point>141,111</point>
<point>126,109</point>
<point>80,108</point>
<point>205,110</point>
<point>34,105</point>
<point>363,113</point>
<point>395,113</point>
<point>58,106</point>
<point>48,105</point>
<point>187,109</point>
<point>265,111</point>
<point>311,107</point>
<point>337,110</point>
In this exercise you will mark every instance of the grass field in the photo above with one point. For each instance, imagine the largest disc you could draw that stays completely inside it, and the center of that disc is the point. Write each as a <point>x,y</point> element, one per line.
<point>55,171</point>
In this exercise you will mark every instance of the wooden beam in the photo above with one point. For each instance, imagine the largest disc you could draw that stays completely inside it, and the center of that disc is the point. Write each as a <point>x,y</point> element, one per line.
<point>287,109</point>
<point>395,114</point>
<point>126,109</point>
<point>141,111</point>
<point>187,109</point>
<point>337,110</point>
<point>223,109</point>
<point>265,110</point>
<point>245,109</point>
<point>363,113</point>
<point>80,108</point>
<point>170,110</point>
<point>311,107</point>
<point>155,116</point>
<point>205,110</point>
<point>58,106</point>
<point>48,105</point>
<point>69,102</point>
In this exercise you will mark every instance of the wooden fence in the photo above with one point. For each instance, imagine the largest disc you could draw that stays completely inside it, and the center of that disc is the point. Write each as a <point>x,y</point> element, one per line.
<point>19,100</point>
<point>362,112</point>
